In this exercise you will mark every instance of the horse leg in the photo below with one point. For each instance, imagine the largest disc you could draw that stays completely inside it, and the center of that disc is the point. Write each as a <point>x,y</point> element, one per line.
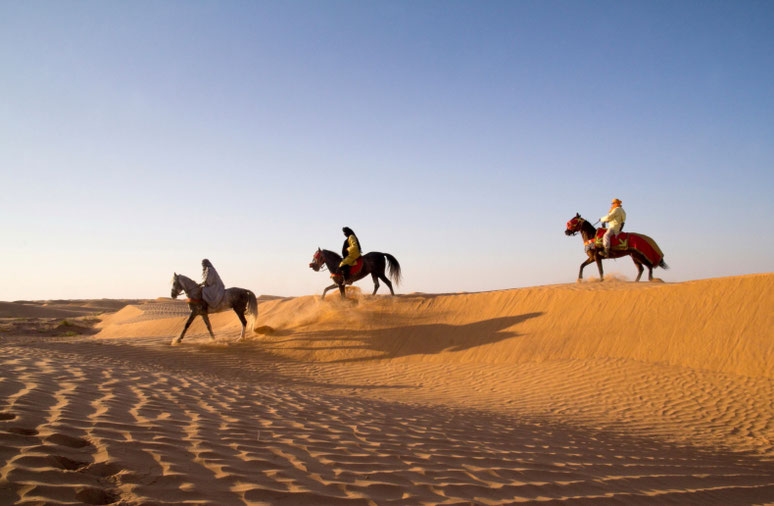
<point>599,266</point>
<point>650,273</point>
<point>387,282</point>
<point>639,268</point>
<point>185,328</point>
<point>584,264</point>
<point>343,290</point>
<point>334,285</point>
<point>209,327</point>
<point>241,315</point>
<point>376,282</point>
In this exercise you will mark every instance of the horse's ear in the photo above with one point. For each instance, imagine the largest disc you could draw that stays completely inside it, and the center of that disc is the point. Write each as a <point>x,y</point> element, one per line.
<point>577,215</point>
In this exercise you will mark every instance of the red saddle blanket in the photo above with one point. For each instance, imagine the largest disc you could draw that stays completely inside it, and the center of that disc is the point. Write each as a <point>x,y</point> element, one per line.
<point>630,241</point>
<point>353,270</point>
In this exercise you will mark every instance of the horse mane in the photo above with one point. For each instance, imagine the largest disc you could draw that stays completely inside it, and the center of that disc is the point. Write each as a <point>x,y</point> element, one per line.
<point>587,227</point>
<point>185,282</point>
<point>329,252</point>
<point>184,277</point>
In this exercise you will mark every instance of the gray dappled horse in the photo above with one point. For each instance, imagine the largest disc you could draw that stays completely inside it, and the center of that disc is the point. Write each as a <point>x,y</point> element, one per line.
<point>241,300</point>
<point>373,264</point>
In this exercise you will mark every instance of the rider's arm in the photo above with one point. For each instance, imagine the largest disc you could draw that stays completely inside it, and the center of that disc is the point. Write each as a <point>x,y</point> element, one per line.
<point>352,245</point>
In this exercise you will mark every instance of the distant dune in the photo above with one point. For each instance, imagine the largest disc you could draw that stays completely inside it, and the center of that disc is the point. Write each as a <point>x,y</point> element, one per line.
<point>61,308</point>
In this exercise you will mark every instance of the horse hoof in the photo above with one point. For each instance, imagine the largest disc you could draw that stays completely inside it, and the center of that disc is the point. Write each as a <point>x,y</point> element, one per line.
<point>174,342</point>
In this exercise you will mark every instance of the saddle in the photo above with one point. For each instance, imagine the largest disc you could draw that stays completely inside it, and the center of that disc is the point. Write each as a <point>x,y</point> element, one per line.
<point>354,270</point>
<point>620,241</point>
<point>626,241</point>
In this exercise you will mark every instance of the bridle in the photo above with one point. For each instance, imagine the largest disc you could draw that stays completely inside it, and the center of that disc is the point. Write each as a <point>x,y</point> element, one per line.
<point>575,224</point>
<point>178,289</point>
<point>318,262</point>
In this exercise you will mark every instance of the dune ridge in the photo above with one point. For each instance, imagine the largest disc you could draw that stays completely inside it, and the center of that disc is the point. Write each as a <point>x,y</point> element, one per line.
<point>722,325</point>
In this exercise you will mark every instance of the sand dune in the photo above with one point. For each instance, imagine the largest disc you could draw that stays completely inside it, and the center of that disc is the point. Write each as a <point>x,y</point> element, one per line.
<point>597,393</point>
<point>721,325</point>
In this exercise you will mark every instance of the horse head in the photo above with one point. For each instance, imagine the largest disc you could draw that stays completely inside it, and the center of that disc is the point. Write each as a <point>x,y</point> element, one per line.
<point>317,260</point>
<point>177,288</point>
<point>574,225</point>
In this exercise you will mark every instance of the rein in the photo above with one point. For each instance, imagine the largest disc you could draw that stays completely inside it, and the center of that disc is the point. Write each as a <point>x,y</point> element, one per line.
<point>318,260</point>
<point>581,221</point>
<point>182,285</point>
<point>323,264</point>
<point>579,230</point>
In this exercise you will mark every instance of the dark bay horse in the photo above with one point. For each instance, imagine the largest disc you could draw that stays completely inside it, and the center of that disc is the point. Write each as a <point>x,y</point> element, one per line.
<point>373,264</point>
<point>588,232</point>
<point>242,301</point>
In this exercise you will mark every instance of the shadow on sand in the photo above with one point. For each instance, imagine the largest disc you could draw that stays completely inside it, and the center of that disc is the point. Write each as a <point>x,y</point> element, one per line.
<point>409,340</point>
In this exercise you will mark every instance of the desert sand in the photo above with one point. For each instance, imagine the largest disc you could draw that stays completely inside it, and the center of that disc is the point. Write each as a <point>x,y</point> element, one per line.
<point>594,393</point>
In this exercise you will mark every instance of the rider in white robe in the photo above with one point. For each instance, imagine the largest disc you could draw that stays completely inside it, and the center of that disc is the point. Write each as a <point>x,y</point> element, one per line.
<point>615,219</point>
<point>213,289</point>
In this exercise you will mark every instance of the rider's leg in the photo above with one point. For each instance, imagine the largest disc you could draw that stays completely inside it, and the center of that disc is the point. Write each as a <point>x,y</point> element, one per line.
<point>606,241</point>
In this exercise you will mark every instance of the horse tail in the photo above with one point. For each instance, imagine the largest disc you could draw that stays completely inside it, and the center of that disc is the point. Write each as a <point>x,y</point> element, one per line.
<point>663,264</point>
<point>395,273</point>
<point>252,310</point>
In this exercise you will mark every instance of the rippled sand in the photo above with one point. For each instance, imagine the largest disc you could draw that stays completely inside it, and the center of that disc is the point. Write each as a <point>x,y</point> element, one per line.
<point>596,393</point>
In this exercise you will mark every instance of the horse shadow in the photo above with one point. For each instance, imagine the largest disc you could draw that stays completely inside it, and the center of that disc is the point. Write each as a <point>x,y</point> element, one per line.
<point>407,340</point>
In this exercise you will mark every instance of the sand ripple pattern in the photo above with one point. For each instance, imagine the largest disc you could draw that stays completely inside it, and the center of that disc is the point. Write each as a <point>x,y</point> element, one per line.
<point>77,426</point>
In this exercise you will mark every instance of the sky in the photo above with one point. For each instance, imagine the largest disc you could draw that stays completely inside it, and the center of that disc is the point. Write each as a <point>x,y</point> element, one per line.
<point>137,138</point>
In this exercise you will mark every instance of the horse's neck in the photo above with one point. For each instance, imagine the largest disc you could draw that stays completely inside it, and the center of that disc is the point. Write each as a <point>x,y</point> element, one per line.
<point>588,231</point>
<point>332,260</point>
<point>191,287</point>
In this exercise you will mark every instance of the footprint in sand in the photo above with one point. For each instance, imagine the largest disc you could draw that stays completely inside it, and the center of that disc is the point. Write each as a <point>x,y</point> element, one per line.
<point>91,495</point>
<point>22,431</point>
<point>66,463</point>
<point>6,416</point>
<point>68,441</point>
<point>103,469</point>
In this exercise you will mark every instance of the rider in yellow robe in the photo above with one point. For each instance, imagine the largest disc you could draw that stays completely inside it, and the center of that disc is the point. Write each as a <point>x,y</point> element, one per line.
<point>350,251</point>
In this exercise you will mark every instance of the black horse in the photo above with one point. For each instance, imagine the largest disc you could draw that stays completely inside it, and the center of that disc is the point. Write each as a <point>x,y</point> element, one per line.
<point>241,300</point>
<point>373,264</point>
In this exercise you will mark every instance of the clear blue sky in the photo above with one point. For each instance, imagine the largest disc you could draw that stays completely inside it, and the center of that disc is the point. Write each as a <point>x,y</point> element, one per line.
<point>139,137</point>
